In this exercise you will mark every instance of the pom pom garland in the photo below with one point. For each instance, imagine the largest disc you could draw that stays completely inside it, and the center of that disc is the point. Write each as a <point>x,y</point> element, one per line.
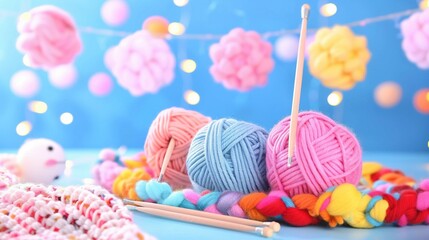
<point>415,43</point>
<point>178,124</point>
<point>338,205</point>
<point>338,58</point>
<point>227,154</point>
<point>241,60</point>
<point>48,37</point>
<point>326,155</point>
<point>142,63</point>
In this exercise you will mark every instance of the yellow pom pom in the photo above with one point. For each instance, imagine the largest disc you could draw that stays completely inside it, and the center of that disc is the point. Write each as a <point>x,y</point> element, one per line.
<point>338,57</point>
<point>344,199</point>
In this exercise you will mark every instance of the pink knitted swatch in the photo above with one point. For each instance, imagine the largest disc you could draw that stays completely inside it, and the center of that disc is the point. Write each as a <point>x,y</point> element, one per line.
<point>48,37</point>
<point>326,154</point>
<point>241,60</point>
<point>29,211</point>
<point>178,124</point>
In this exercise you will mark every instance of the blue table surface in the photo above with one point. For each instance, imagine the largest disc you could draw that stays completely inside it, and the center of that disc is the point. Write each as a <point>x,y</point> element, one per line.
<point>413,164</point>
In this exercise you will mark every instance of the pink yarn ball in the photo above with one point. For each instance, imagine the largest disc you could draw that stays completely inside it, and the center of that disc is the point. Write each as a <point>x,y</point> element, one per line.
<point>178,124</point>
<point>286,48</point>
<point>25,83</point>
<point>241,60</point>
<point>415,43</point>
<point>114,12</point>
<point>326,154</point>
<point>48,37</point>
<point>100,84</point>
<point>143,63</point>
<point>63,76</point>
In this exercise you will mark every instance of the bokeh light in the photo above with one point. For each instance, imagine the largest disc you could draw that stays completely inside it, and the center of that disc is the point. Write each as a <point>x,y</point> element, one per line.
<point>66,118</point>
<point>192,97</point>
<point>388,94</point>
<point>25,17</point>
<point>188,65</point>
<point>180,3</point>
<point>176,28</point>
<point>328,9</point>
<point>335,98</point>
<point>38,107</point>
<point>424,4</point>
<point>421,101</point>
<point>23,128</point>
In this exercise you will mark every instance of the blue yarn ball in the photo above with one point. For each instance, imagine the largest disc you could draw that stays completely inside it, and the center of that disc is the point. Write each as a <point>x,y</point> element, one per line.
<point>227,154</point>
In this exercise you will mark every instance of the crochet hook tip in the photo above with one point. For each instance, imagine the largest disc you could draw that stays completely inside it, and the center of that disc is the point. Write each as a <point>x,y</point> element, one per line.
<point>289,161</point>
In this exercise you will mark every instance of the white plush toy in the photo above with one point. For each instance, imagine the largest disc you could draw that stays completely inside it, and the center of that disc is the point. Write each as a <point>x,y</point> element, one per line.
<point>38,161</point>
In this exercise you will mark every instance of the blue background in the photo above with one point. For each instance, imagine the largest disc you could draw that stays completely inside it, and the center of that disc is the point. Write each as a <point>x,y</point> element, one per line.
<point>120,119</point>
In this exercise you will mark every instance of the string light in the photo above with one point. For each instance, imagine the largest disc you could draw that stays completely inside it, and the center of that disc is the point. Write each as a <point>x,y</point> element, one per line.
<point>335,98</point>
<point>180,3</point>
<point>328,9</point>
<point>38,107</point>
<point>188,65</point>
<point>428,144</point>
<point>23,128</point>
<point>176,28</point>
<point>66,118</point>
<point>192,97</point>
<point>424,4</point>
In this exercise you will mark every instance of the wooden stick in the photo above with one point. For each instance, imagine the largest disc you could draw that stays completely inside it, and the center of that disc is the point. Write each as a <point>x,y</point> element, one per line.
<point>167,157</point>
<point>305,10</point>
<point>273,225</point>
<point>264,231</point>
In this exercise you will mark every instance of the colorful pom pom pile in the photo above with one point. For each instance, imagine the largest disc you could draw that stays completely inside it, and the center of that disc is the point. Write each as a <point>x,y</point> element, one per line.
<point>142,63</point>
<point>241,60</point>
<point>338,58</point>
<point>48,37</point>
<point>415,43</point>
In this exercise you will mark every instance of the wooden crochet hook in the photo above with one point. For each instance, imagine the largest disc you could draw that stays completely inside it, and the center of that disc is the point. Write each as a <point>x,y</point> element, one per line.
<point>167,158</point>
<point>263,231</point>
<point>305,10</point>
<point>273,225</point>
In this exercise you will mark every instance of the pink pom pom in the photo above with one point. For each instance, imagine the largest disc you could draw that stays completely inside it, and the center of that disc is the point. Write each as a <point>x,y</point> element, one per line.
<point>107,154</point>
<point>326,155</point>
<point>63,76</point>
<point>100,84</point>
<point>114,12</point>
<point>415,43</point>
<point>241,60</point>
<point>25,84</point>
<point>48,37</point>
<point>143,63</point>
<point>109,58</point>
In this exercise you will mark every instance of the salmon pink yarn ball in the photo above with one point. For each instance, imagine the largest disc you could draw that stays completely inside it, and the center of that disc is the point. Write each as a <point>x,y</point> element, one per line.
<point>142,63</point>
<point>415,43</point>
<point>48,37</point>
<point>178,124</point>
<point>241,60</point>
<point>326,154</point>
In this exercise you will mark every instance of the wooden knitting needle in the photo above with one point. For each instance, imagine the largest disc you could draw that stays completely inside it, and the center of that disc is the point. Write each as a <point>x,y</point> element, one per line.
<point>264,231</point>
<point>273,225</point>
<point>167,158</point>
<point>305,10</point>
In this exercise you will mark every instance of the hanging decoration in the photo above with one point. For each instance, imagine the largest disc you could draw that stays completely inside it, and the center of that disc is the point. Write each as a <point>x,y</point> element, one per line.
<point>415,43</point>
<point>156,25</point>
<point>25,83</point>
<point>388,94</point>
<point>142,63</point>
<point>48,37</point>
<point>421,101</point>
<point>241,60</point>
<point>63,76</point>
<point>115,12</point>
<point>338,58</point>
<point>286,48</point>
